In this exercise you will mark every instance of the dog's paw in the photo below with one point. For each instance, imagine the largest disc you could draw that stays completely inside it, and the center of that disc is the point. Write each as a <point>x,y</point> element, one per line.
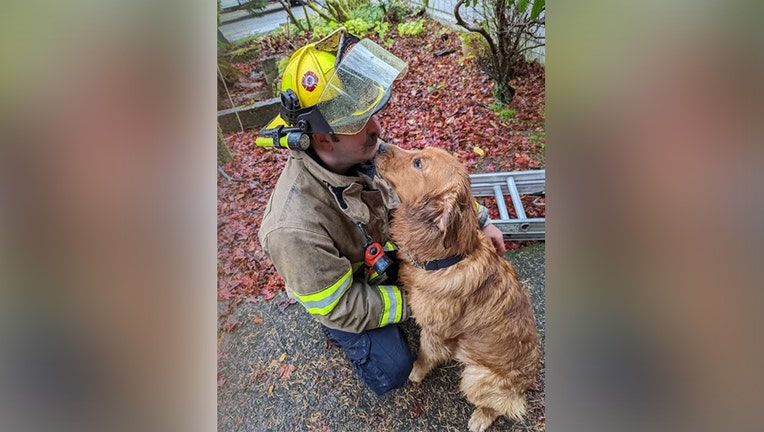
<point>417,373</point>
<point>481,419</point>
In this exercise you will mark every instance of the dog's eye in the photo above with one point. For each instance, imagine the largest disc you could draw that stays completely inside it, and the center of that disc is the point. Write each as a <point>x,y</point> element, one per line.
<point>417,163</point>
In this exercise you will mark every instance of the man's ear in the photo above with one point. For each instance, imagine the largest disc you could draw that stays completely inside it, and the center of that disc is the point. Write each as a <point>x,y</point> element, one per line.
<point>323,142</point>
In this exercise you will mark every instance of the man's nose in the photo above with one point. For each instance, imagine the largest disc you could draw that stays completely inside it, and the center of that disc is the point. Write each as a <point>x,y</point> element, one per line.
<point>373,126</point>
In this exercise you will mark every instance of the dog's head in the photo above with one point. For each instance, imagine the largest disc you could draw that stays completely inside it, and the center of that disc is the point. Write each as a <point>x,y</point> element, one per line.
<point>433,186</point>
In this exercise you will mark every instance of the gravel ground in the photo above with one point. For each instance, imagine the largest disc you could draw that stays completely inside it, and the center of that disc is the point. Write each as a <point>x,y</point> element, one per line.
<point>276,372</point>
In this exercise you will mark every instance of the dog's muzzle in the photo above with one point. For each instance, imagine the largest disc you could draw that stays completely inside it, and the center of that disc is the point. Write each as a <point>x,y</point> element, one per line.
<point>382,148</point>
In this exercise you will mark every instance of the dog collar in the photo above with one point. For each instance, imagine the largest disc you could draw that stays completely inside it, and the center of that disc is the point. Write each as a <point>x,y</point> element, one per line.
<point>435,264</point>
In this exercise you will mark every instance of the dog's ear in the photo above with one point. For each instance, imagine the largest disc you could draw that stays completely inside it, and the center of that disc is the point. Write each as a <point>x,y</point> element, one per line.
<point>442,211</point>
<point>449,218</point>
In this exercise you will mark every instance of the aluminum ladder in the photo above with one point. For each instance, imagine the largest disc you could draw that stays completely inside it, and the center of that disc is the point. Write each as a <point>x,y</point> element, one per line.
<point>514,184</point>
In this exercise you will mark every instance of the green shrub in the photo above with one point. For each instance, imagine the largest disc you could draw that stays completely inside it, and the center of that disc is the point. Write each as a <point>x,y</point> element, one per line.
<point>371,13</point>
<point>395,11</point>
<point>474,44</point>
<point>503,112</point>
<point>413,28</point>
<point>382,29</point>
<point>358,26</point>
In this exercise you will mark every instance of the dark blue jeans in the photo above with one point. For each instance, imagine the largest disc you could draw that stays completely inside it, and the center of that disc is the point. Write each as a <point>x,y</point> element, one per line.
<point>381,356</point>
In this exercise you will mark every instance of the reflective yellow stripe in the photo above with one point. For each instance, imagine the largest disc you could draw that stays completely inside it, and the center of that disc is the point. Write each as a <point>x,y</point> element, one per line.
<point>389,246</point>
<point>392,304</point>
<point>324,301</point>
<point>399,309</point>
<point>385,306</point>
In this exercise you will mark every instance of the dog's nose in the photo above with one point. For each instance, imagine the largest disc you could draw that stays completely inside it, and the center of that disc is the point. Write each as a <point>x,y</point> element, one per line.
<point>382,147</point>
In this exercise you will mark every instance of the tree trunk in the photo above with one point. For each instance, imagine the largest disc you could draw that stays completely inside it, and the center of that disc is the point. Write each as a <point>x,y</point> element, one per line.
<point>230,74</point>
<point>224,153</point>
<point>503,91</point>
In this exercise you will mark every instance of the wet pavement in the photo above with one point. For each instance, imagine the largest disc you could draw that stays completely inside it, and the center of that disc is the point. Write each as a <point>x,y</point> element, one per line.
<point>240,24</point>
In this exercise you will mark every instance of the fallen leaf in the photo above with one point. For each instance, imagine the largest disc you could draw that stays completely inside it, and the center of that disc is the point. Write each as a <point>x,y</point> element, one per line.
<point>270,389</point>
<point>286,371</point>
<point>478,150</point>
<point>256,374</point>
<point>285,302</point>
<point>283,357</point>
<point>229,326</point>
<point>257,320</point>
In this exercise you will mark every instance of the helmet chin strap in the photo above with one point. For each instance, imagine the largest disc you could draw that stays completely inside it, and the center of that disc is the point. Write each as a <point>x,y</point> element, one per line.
<point>307,120</point>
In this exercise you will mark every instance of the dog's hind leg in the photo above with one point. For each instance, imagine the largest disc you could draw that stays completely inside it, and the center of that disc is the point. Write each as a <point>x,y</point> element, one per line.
<point>492,397</point>
<point>482,418</point>
<point>432,351</point>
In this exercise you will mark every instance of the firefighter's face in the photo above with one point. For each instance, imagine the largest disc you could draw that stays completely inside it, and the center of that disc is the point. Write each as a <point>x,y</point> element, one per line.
<point>348,150</point>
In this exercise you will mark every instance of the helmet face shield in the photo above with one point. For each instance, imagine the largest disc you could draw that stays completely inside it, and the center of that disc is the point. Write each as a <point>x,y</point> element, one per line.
<point>333,86</point>
<point>359,87</point>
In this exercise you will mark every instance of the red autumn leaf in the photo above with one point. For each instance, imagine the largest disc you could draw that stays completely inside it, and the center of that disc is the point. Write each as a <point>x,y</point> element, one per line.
<point>286,371</point>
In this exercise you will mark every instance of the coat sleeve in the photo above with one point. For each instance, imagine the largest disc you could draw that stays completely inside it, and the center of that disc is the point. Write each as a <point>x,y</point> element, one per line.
<point>330,287</point>
<point>483,220</point>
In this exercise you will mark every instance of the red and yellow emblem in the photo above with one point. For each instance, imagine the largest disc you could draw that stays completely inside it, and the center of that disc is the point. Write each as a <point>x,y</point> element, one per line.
<point>309,81</point>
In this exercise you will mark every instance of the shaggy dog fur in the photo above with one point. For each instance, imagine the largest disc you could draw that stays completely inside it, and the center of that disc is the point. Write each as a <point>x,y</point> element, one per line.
<point>476,310</point>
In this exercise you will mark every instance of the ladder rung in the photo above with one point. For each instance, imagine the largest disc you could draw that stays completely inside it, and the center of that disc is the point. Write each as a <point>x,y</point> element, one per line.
<point>503,213</point>
<point>516,201</point>
<point>515,184</point>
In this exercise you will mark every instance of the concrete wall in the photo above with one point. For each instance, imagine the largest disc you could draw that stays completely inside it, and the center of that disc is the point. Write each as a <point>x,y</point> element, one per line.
<point>252,116</point>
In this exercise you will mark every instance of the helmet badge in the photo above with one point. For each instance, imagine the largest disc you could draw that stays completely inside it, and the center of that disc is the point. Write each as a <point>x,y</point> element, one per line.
<point>309,81</point>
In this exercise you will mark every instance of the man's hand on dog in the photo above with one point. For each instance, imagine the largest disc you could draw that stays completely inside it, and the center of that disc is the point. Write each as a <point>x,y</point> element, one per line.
<point>494,234</point>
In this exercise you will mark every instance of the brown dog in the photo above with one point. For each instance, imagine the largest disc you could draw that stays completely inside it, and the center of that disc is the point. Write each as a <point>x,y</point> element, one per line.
<point>474,310</point>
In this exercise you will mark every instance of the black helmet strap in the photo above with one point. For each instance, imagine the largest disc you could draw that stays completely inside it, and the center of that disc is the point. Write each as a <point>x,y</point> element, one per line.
<point>308,120</point>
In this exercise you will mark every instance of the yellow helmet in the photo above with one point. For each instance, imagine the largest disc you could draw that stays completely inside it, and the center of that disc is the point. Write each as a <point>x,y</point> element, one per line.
<point>307,73</point>
<point>331,86</point>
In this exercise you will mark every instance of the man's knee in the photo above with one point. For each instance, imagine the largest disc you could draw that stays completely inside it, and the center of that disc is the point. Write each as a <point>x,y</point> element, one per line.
<point>381,357</point>
<point>390,350</point>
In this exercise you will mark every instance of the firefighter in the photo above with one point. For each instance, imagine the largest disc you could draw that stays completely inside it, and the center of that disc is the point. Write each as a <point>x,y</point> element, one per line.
<point>326,224</point>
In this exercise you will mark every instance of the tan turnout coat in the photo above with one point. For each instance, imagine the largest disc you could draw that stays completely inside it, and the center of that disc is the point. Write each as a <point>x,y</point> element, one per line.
<point>309,232</point>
